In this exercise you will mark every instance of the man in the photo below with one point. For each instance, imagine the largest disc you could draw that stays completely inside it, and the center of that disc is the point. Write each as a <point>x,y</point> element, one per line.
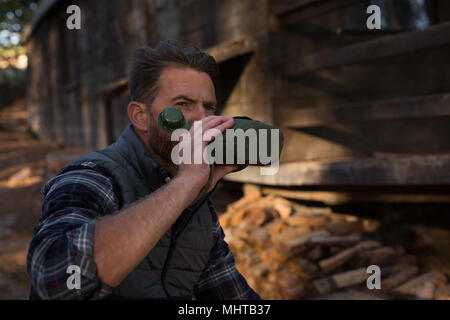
<point>126,217</point>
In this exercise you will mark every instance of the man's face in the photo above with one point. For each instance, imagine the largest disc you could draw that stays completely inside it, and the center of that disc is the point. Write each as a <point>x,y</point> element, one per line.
<point>190,90</point>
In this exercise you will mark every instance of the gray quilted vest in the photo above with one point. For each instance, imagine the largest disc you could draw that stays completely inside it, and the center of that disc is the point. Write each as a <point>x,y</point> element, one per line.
<point>173,266</point>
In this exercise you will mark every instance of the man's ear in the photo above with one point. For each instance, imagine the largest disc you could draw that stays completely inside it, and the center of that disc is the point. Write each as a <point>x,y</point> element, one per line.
<point>138,114</point>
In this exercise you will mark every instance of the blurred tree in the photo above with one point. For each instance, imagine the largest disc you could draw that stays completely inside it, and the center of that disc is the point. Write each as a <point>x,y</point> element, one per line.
<point>14,15</point>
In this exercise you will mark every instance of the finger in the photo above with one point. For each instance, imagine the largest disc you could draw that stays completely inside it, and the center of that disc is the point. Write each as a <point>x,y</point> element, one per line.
<point>207,119</point>
<point>219,123</point>
<point>208,122</point>
<point>216,122</point>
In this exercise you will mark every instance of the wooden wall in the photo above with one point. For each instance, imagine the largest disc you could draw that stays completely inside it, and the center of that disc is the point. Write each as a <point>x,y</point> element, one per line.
<point>419,73</point>
<point>77,87</point>
<point>70,69</point>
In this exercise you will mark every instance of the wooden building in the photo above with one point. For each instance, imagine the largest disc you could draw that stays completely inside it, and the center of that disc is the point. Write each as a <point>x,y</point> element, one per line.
<point>358,107</point>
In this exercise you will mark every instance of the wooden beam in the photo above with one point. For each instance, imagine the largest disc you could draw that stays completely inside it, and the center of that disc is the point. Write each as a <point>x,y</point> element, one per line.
<point>379,48</point>
<point>299,5</point>
<point>304,9</point>
<point>118,87</point>
<point>232,49</point>
<point>412,170</point>
<point>405,108</point>
<point>340,197</point>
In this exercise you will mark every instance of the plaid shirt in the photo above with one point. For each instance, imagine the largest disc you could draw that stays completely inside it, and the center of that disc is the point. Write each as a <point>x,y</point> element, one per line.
<point>64,236</point>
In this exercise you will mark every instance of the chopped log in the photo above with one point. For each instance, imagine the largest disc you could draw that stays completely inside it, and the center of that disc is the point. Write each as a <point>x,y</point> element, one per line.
<point>259,238</point>
<point>298,244</point>
<point>308,268</point>
<point>442,293</point>
<point>426,290</point>
<point>242,233</point>
<point>237,217</point>
<point>387,271</point>
<point>334,240</point>
<point>283,210</point>
<point>288,233</point>
<point>411,287</point>
<point>272,212</point>
<point>398,278</point>
<point>233,241</point>
<point>315,253</point>
<point>323,286</point>
<point>344,228</point>
<point>286,279</point>
<point>261,270</point>
<point>334,250</point>
<point>356,294</point>
<point>368,257</point>
<point>340,280</point>
<point>259,216</point>
<point>408,259</point>
<point>350,278</point>
<point>280,257</point>
<point>313,220</point>
<point>273,262</point>
<point>275,227</point>
<point>249,257</point>
<point>295,292</point>
<point>245,201</point>
<point>339,259</point>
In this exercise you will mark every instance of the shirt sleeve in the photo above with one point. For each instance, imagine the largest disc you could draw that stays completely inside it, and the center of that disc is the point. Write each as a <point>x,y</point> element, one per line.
<point>63,238</point>
<point>220,280</point>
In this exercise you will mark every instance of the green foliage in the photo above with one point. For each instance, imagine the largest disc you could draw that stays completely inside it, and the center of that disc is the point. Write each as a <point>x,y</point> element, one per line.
<point>14,15</point>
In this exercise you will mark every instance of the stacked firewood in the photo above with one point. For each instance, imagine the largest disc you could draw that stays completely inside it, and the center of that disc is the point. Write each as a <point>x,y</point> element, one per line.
<point>289,251</point>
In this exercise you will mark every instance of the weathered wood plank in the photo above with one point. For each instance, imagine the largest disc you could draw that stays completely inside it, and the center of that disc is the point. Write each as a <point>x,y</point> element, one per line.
<point>232,49</point>
<point>405,108</point>
<point>117,87</point>
<point>304,9</point>
<point>338,197</point>
<point>410,287</point>
<point>339,259</point>
<point>420,170</point>
<point>398,278</point>
<point>382,47</point>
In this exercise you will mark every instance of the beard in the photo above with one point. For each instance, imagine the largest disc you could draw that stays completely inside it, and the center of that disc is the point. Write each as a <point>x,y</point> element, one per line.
<point>159,140</point>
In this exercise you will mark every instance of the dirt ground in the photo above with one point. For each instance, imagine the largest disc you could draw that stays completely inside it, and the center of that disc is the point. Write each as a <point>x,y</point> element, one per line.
<point>20,197</point>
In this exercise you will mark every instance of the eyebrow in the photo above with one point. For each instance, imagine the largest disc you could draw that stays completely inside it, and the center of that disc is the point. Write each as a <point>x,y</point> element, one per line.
<point>184,97</point>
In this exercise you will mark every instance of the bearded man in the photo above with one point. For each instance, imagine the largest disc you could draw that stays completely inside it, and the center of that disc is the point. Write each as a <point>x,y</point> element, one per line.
<point>126,218</point>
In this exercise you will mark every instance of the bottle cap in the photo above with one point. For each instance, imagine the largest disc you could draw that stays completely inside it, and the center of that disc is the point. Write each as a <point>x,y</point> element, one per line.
<point>171,118</point>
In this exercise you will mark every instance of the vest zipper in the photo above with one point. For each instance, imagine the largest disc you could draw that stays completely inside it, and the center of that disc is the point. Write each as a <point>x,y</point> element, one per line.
<point>173,239</point>
<point>166,262</point>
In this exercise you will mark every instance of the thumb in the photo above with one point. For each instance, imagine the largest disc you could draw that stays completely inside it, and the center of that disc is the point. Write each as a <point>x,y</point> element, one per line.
<point>219,172</point>
<point>225,169</point>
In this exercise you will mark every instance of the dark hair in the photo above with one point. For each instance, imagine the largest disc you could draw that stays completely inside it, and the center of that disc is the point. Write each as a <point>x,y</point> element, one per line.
<point>146,64</point>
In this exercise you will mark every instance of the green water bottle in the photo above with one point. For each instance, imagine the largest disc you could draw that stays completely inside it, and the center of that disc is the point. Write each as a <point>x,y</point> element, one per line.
<point>171,118</point>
